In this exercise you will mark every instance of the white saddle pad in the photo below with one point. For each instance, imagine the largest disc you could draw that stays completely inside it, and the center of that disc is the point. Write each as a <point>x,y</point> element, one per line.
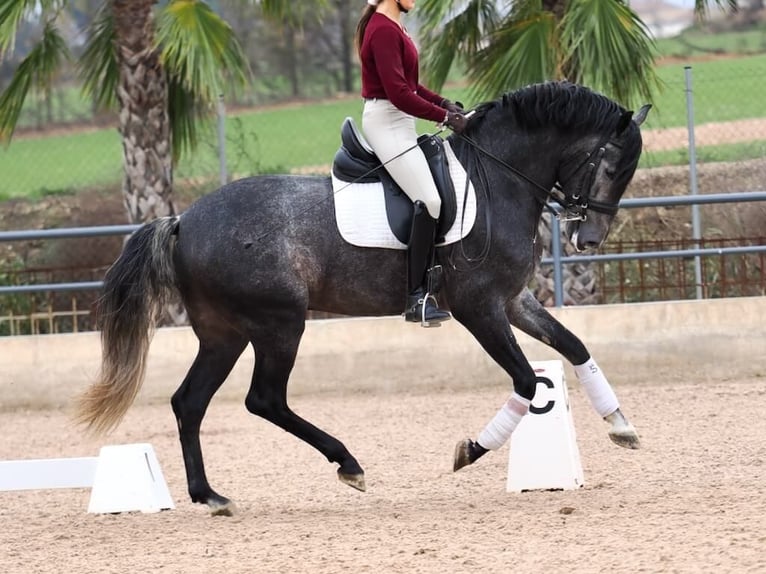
<point>360,210</point>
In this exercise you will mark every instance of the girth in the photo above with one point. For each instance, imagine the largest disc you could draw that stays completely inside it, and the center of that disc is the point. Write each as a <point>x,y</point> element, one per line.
<point>355,162</point>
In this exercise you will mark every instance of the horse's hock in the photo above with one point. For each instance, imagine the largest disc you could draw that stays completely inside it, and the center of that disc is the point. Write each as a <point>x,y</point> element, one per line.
<point>689,341</point>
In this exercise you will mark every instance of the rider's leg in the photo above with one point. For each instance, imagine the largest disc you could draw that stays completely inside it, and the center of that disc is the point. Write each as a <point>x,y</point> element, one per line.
<point>420,307</point>
<point>392,135</point>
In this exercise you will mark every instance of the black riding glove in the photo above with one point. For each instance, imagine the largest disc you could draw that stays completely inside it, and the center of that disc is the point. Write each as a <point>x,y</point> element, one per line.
<point>454,107</point>
<point>456,122</point>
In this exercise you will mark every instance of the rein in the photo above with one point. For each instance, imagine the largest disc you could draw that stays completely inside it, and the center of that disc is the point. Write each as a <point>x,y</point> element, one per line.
<point>575,205</point>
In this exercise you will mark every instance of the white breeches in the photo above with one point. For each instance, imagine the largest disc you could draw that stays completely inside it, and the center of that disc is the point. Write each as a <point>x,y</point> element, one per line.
<point>390,131</point>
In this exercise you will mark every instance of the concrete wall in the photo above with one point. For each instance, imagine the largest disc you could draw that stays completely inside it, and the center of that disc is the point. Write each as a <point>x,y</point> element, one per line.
<point>690,341</point>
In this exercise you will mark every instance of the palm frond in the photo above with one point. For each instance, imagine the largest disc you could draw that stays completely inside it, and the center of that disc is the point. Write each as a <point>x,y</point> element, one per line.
<point>98,65</point>
<point>520,52</point>
<point>609,49</point>
<point>11,15</point>
<point>200,49</point>
<point>185,113</point>
<point>35,72</point>
<point>702,7</point>
<point>451,28</point>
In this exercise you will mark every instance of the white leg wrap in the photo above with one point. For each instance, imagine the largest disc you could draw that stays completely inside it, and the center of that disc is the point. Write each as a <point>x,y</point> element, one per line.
<point>597,388</point>
<point>499,429</point>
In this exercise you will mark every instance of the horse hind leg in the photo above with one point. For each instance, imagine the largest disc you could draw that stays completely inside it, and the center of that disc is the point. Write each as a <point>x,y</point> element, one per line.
<point>206,375</point>
<point>267,398</point>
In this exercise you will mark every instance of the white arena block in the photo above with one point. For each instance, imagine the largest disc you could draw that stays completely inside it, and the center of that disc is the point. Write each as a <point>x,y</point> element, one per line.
<point>128,478</point>
<point>40,474</point>
<point>543,450</point>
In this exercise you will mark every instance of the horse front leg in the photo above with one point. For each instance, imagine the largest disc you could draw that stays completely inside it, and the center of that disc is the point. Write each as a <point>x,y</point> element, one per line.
<point>528,314</point>
<point>491,329</point>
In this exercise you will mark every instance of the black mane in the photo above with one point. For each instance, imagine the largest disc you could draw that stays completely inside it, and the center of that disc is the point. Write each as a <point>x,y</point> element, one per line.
<point>563,104</point>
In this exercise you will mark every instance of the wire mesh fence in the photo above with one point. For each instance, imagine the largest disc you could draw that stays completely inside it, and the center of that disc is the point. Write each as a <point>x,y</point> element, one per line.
<point>732,275</point>
<point>728,115</point>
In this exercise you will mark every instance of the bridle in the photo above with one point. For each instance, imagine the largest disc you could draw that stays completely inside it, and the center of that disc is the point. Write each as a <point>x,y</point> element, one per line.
<point>575,204</point>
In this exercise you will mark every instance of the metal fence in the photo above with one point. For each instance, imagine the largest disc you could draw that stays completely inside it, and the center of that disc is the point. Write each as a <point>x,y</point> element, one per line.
<point>701,268</point>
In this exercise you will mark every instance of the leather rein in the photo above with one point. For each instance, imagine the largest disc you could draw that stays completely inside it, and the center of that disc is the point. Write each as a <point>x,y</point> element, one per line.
<point>574,204</point>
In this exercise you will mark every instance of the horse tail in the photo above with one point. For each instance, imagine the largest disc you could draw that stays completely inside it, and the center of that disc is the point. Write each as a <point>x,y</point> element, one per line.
<point>136,289</point>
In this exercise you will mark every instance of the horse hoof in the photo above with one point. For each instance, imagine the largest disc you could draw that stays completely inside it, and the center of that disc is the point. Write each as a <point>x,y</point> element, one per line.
<point>463,454</point>
<point>353,480</point>
<point>227,508</point>
<point>626,438</point>
<point>622,432</point>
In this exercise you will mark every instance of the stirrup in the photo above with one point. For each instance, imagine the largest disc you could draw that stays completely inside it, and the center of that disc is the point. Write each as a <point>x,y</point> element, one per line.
<point>433,322</point>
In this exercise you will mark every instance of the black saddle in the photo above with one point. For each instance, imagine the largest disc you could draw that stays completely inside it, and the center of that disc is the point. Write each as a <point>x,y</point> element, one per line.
<point>356,162</point>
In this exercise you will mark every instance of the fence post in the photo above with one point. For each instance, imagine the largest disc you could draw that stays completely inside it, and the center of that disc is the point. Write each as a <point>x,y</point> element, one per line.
<point>221,110</point>
<point>696,227</point>
<point>558,281</point>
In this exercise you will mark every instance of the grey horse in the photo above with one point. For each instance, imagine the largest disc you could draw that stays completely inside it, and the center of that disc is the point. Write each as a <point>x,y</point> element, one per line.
<point>250,259</point>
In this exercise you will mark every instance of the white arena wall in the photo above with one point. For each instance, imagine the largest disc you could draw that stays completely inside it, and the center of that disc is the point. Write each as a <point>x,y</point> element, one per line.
<point>642,343</point>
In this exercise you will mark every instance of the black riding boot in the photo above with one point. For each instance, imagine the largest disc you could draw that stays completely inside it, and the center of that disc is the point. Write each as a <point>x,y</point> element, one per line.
<point>421,306</point>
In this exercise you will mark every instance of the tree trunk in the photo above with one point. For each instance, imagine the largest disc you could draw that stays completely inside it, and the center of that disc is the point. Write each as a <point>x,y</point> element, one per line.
<point>147,184</point>
<point>292,60</point>
<point>346,42</point>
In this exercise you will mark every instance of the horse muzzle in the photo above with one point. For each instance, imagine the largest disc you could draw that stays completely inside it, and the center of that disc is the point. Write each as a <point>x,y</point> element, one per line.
<point>586,238</point>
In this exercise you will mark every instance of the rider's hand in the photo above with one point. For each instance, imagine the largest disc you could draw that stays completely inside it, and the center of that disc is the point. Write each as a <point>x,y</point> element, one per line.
<point>456,122</point>
<point>454,107</point>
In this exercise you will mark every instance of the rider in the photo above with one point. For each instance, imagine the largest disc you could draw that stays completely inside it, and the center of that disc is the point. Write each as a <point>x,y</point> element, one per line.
<point>393,99</point>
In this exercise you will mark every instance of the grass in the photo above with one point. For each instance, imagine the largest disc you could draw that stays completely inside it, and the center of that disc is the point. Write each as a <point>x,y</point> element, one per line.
<point>723,90</point>
<point>33,167</point>
<point>280,139</point>
<point>699,41</point>
<point>706,154</point>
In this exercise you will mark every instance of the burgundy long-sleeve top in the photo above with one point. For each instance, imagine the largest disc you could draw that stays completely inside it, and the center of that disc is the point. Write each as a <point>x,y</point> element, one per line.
<point>390,70</point>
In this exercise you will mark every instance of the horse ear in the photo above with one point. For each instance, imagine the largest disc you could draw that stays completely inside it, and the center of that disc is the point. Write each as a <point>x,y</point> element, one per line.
<point>624,122</point>
<point>642,113</point>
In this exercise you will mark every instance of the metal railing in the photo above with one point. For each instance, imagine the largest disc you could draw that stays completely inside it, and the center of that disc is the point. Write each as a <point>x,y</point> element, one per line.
<point>557,260</point>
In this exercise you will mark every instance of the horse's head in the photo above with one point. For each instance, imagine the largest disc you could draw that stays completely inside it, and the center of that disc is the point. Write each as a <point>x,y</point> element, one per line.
<point>594,177</point>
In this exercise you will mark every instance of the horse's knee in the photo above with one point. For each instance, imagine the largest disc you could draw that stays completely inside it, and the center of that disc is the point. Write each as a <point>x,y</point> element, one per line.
<point>525,386</point>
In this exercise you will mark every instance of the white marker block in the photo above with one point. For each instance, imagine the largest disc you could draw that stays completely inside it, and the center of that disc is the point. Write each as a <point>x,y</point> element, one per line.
<point>128,478</point>
<point>543,450</point>
<point>41,474</point>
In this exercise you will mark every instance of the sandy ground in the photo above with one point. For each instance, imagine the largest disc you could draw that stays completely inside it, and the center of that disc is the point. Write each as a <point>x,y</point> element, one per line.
<point>692,500</point>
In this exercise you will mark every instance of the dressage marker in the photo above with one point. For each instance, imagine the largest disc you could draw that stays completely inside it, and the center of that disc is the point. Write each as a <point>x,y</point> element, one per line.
<point>122,478</point>
<point>543,452</point>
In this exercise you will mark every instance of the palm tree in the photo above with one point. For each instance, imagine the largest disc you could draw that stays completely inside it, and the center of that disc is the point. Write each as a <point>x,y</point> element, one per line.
<point>161,66</point>
<point>506,45</point>
<point>600,43</point>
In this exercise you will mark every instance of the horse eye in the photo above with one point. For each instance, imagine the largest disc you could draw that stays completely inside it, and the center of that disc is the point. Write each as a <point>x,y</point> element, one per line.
<point>610,173</point>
